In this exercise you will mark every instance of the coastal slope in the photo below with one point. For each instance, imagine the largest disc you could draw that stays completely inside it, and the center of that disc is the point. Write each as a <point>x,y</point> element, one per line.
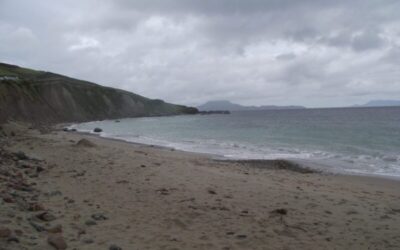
<point>38,96</point>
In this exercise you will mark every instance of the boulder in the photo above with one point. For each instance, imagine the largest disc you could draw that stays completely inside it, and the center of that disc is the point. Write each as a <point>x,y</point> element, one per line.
<point>97,130</point>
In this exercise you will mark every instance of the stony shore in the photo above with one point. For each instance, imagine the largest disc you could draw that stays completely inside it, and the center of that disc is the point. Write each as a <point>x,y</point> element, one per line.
<point>64,190</point>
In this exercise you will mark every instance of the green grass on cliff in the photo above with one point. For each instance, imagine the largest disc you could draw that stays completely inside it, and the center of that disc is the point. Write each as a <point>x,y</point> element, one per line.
<point>12,70</point>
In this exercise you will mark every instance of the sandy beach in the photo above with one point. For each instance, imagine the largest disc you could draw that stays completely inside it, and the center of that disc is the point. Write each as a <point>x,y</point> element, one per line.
<point>61,191</point>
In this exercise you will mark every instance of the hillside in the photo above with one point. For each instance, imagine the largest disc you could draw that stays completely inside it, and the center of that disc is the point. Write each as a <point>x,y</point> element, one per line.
<point>39,96</point>
<point>227,105</point>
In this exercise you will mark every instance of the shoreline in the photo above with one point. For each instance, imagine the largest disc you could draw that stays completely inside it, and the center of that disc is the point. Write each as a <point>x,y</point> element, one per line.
<point>97,192</point>
<point>306,164</point>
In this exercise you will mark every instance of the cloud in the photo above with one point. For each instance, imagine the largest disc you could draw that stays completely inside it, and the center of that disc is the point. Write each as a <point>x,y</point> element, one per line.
<point>309,52</point>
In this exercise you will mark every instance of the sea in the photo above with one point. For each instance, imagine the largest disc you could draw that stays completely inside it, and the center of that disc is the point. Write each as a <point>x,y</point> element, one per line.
<point>362,141</point>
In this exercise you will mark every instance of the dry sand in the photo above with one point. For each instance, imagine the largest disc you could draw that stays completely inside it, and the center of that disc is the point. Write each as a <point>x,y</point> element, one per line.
<point>104,192</point>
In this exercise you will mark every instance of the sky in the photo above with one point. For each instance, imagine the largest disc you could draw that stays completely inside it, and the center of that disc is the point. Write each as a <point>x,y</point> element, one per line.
<point>316,53</point>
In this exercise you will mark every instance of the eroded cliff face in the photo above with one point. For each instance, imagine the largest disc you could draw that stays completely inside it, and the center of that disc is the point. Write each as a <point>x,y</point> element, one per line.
<point>39,96</point>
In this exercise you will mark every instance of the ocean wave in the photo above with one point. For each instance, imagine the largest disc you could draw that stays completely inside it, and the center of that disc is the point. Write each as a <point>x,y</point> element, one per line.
<point>372,162</point>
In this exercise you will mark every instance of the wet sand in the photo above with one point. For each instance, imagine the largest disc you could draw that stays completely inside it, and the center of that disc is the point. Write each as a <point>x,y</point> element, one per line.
<point>99,193</point>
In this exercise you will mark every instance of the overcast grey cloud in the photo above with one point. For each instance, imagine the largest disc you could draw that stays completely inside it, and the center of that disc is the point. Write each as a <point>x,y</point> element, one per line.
<point>313,53</point>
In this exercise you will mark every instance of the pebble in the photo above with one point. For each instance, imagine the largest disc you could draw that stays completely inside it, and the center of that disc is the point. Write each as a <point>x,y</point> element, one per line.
<point>99,217</point>
<point>90,223</point>
<point>241,236</point>
<point>39,169</point>
<point>34,207</point>
<point>281,211</point>
<point>55,229</point>
<point>21,155</point>
<point>57,241</point>
<point>13,238</point>
<point>81,231</point>
<point>211,191</point>
<point>46,216</point>
<point>55,193</point>
<point>8,199</point>
<point>88,241</point>
<point>18,232</point>
<point>37,227</point>
<point>5,232</point>
<point>114,247</point>
<point>24,164</point>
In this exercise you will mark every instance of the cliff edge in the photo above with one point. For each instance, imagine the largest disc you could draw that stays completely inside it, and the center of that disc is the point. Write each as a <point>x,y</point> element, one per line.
<point>44,97</point>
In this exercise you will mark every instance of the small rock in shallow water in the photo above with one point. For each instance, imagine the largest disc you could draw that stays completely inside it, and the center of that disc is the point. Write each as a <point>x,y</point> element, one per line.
<point>97,130</point>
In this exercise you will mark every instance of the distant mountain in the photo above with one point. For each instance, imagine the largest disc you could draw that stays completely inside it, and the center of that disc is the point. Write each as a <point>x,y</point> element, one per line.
<point>380,103</point>
<point>38,96</point>
<point>227,105</point>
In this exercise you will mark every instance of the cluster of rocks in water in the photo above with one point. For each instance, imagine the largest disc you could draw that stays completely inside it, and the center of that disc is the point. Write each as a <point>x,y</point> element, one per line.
<point>96,130</point>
